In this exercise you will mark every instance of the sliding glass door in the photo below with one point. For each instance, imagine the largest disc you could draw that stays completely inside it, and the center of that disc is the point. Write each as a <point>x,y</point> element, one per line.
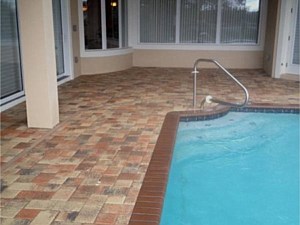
<point>11,72</point>
<point>62,38</point>
<point>12,91</point>
<point>293,65</point>
<point>58,37</point>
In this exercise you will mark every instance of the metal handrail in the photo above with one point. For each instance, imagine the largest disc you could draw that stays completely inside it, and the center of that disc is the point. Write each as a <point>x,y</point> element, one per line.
<point>195,72</point>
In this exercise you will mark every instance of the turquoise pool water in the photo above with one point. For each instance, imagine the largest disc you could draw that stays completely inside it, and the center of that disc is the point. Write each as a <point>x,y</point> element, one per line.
<point>241,169</point>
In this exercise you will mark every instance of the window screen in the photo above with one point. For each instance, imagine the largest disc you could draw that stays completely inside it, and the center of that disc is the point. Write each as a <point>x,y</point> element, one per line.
<point>157,21</point>
<point>198,21</point>
<point>240,20</point>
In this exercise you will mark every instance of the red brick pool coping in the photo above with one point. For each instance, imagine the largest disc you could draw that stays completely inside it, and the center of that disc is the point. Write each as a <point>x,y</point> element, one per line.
<point>149,204</point>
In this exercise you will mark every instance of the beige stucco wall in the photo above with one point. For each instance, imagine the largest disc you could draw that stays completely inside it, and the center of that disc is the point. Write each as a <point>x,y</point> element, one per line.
<point>270,39</point>
<point>170,58</point>
<point>186,58</point>
<point>107,64</point>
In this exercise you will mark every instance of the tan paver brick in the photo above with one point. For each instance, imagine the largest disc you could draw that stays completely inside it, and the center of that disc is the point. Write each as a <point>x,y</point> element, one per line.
<point>44,217</point>
<point>22,186</point>
<point>88,214</point>
<point>9,193</point>
<point>115,199</point>
<point>63,193</point>
<point>11,209</point>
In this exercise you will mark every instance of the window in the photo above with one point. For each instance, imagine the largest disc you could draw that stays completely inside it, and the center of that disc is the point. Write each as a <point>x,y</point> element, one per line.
<point>112,24</point>
<point>11,75</point>
<point>158,19</point>
<point>104,24</point>
<point>240,20</point>
<point>92,24</point>
<point>199,21</point>
<point>58,36</point>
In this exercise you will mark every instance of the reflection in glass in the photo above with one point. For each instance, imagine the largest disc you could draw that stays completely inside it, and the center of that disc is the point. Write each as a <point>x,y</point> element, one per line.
<point>112,23</point>
<point>92,24</point>
<point>58,37</point>
<point>124,24</point>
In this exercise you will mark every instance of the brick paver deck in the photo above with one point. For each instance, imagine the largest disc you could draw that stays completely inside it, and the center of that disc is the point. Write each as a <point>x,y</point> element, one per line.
<point>90,167</point>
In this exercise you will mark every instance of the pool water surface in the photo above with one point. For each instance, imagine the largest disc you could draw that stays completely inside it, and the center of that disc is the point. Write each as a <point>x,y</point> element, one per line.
<point>242,168</point>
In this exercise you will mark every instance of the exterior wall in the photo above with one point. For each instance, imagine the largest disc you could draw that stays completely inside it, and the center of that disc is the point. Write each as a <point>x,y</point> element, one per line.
<point>95,61</point>
<point>251,57</point>
<point>186,58</point>
<point>271,34</point>
<point>98,65</point>
<point>170,58</point>
<point>184,55</point>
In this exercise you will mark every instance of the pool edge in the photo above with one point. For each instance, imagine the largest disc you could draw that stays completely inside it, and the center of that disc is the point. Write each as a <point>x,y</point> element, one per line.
<point>149,203</point>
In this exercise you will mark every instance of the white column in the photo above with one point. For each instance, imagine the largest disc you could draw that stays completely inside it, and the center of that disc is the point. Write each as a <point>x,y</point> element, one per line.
<point>38,62</point>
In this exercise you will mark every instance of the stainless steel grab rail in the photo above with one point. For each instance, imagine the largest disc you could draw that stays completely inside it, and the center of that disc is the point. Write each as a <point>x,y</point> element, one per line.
<point>195,72</point>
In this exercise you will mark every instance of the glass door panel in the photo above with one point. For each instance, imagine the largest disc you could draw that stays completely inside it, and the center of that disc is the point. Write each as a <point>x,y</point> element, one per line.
<point>11,75</point>
<point>293,51</point>
<point>296,52</point>
<point>58,37</point>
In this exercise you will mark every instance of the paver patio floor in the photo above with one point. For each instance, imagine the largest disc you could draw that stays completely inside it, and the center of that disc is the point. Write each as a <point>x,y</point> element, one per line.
<point>90,167</point>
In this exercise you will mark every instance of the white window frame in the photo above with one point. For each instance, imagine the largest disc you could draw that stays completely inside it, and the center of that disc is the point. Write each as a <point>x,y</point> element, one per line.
<point>12,100</point>
<point>104,51</point>
<point>259,46</point>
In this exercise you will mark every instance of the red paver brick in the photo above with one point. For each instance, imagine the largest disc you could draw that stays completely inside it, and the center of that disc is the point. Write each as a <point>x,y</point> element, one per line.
<point>29,214</point>
<point>106,218</point>
<point>43,178</point>
<point>22,145</point>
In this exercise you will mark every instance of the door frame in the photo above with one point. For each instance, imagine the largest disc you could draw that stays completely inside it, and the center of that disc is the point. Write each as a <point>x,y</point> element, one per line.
<point>67,43</point>
<point>287,16</point>
<point>293,68</point>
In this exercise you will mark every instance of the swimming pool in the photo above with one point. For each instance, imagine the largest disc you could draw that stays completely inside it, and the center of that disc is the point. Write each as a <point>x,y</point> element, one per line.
<point>242,168</point>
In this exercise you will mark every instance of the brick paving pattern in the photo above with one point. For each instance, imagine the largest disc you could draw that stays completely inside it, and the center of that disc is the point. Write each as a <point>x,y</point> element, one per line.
<point>90,167</point>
